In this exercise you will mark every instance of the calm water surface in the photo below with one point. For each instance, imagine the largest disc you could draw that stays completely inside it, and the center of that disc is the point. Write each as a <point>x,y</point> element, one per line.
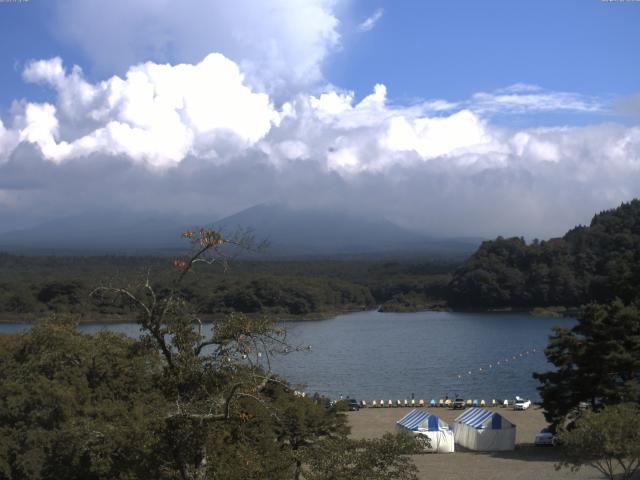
<point>372,355</point>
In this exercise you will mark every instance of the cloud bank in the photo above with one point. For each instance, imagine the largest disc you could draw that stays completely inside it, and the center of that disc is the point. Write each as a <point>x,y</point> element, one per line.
<point>202,138</point>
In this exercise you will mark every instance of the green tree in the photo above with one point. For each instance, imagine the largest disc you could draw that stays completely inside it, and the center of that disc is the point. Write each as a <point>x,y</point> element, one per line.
<point>384,458</point>
<point>597,361</point>
<point>78,406</point>
<point>300,423</point>
<point>599,263</point>
<point>608,441</point>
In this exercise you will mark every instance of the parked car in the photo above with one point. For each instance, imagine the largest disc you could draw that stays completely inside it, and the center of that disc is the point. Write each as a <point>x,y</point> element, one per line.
<point>350,404</point>
<point>458,403</point>
<point>545,438</point>
<point>521,404</point>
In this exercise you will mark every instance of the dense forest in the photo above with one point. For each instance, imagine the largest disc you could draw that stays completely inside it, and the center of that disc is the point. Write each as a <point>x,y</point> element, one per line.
<point>31,286</point>
<point>594,263</point>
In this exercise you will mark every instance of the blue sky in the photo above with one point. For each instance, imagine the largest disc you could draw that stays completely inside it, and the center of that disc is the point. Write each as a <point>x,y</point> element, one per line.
<point>418,49</point>
<point>451,49</point>
<point>447,117</point>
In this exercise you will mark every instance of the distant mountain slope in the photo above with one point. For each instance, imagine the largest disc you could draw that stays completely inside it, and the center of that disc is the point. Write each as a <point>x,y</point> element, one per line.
<point>594,263</point>
<point>293,232</point>
<point>318,230</point>
<point>290,232</point>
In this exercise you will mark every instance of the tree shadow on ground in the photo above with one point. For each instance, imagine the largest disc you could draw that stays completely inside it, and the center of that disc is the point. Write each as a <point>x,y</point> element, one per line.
<point>522,452</point>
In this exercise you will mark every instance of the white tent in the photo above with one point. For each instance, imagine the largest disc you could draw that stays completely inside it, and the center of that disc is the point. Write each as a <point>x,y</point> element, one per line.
<point>480,429</point>
<point>439,433</point>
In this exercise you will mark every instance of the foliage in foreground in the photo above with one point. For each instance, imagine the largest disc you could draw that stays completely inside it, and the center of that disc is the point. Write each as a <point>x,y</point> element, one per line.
<point>378,459</point>
<point>597,361</point>
<point>608,441</point>
<point>188,400</point>
<point>79,406</point>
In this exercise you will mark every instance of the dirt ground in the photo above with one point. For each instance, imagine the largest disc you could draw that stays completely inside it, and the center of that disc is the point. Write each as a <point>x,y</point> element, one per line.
<point>526,462</point>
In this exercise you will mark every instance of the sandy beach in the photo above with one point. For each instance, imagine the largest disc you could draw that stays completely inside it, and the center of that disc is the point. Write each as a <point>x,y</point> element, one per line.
<point>526,462</point>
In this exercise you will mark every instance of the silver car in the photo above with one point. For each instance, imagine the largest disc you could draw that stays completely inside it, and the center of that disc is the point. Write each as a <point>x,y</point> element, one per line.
<point>545,438</point>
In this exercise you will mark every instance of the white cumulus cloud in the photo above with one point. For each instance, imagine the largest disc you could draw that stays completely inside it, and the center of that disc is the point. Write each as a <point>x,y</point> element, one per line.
<point>198,138</point>
<point>157,113</point>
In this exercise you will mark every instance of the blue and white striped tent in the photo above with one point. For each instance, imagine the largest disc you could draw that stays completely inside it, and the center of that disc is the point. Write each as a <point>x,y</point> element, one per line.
<point>480,429</point>
<point>417,420</point>
<point>421,422</point>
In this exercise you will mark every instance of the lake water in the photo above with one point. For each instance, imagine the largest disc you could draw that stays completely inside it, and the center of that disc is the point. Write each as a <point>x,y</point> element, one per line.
<point>372,355</point>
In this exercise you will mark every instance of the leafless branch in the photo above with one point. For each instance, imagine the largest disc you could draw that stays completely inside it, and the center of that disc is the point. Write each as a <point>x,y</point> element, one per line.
<point>126,293</point>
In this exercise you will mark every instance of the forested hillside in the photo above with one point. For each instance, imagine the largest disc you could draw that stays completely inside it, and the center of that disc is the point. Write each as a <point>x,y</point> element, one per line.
<point>588,264</point>
<point>32,286</point>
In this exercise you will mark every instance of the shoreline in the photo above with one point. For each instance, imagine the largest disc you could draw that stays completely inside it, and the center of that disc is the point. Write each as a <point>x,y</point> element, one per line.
<point>550,312</point>
<point>30,318</point>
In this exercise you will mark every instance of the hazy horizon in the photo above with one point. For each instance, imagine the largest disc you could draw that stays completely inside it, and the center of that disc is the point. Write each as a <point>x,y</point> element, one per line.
<point>112,216</point>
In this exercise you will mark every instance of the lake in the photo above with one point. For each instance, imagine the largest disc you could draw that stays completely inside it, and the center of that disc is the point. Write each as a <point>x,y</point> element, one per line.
<point>372,355</point>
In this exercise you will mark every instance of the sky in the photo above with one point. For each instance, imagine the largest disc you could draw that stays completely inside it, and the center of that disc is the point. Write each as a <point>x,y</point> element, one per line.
<point>459,118</point>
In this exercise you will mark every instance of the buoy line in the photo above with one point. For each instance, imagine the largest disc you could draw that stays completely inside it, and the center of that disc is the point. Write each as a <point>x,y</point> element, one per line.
<point>488,367</point>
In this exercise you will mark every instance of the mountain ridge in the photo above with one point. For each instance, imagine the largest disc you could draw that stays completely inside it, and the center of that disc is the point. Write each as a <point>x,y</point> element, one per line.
<point>290,232</point>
